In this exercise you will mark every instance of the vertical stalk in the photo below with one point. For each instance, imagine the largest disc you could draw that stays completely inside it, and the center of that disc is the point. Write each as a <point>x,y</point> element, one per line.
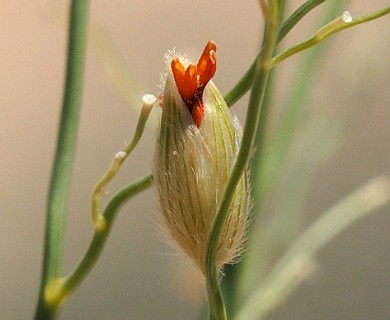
<point>259,85</point>
<point>64,156</point>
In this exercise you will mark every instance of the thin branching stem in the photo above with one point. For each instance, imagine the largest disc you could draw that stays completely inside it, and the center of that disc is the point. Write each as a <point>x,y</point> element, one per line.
<point>60,288</point>
<point>341,23</point>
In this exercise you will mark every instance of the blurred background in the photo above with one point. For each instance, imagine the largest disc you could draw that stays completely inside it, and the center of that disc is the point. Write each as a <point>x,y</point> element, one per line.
<point>344,129</point>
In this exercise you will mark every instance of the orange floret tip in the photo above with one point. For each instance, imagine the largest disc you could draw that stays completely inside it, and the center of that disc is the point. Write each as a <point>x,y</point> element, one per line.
<point>191,82</point>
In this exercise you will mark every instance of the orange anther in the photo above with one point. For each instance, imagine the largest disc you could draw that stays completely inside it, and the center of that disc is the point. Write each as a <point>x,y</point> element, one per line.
<point>191,82</point>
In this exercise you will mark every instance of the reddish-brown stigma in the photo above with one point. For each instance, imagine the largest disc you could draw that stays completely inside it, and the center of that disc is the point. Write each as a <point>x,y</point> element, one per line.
<point>191,82</point>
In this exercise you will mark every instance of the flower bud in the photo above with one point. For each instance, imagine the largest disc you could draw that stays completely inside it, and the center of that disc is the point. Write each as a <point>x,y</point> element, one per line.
<point>197,145</point>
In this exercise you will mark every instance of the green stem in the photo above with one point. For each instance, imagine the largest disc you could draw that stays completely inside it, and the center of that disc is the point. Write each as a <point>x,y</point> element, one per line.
<point>232,271</point>
<point>216,304</point>
<point>335,26</point>
<point>74,279</point>
<point>56,206</point>
<point>261,75</point>
<point>116,163</point>
<point>245,82</point>
<point>298,14</point>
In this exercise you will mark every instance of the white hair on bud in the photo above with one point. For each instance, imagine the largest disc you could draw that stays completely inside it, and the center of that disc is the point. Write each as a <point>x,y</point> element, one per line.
<point>168,71</point>
<point>191,170</point>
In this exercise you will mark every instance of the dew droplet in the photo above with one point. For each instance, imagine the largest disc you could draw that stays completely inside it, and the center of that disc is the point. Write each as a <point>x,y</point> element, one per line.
<point>149,99</point>
<point>120,155</point>
<point>347,17</point>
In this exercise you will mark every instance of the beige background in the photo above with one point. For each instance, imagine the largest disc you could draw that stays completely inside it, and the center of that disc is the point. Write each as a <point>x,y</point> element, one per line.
<point>138,276</point>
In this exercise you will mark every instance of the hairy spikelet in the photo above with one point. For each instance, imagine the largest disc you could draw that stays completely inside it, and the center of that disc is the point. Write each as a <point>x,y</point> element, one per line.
<point>191,169</point>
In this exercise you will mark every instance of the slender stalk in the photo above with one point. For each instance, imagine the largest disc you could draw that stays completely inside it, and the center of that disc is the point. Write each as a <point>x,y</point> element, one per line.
<point>245,82</point>
<point>297,15</point>
<point>66,142</point>
<point>232,272</point>
<point>116,163</point>
<point>262,70</point>
<point>343,22</point>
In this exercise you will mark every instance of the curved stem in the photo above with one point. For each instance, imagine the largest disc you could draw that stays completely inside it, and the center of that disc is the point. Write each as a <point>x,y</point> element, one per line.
<point>60,288</point>
<point>261,74</point>
<point>245,82</point>
<point>99,239</point>
<point>66,142</point>
<point>116,163</point>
